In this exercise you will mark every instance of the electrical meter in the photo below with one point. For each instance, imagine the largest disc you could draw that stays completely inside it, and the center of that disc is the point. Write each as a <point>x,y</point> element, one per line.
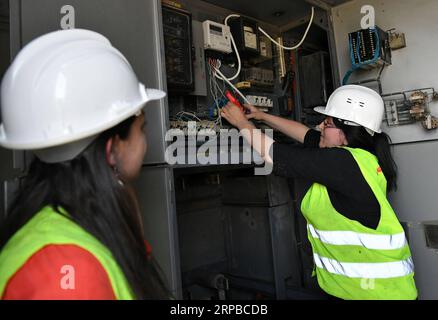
<point>246,35</point>
<point>250,37</point>
<point>217,36</point>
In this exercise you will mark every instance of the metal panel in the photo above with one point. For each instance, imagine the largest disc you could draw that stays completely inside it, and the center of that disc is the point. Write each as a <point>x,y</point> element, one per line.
<point>3,200</point>
<point>12,162</point>
<point>12,166</point>
<point>201,238</point>
<point>4,8</point>
<point>177,31</point>
<point>284,249</point>
<point>262,246</point>
<point>7,192</point>
<point>6,167</point>
<point>157,112</point>
<point>415,203</point>
<point>278,12</point>
<point>199,63</point>
<point>15,27</point>
<point>425,262</point>
<point>258,190</point>
<point>4,36</point>
<point>333,53</point>
<point>316,87</point>
<point>251,255</point>
<point>155,192</point>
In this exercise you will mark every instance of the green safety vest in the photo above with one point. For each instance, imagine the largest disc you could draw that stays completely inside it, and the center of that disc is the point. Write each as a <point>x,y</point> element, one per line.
<point>351,260</point>
<point>48,227</point>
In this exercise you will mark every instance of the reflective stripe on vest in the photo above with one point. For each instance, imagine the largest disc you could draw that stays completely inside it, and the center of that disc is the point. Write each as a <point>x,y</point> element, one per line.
<point>369,241</point>
<point>366,270</point>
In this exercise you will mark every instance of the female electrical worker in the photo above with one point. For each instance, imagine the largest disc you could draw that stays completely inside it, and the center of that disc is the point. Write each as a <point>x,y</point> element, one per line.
<point>359,247</point>
<point>73,231</point>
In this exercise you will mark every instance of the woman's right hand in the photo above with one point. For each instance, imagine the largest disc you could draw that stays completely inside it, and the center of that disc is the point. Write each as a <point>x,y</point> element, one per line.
<point>255,113</point>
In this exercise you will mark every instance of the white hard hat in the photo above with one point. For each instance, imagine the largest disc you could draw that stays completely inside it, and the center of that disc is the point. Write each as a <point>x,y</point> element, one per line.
<point>357,105</point>
<point>63,89</point>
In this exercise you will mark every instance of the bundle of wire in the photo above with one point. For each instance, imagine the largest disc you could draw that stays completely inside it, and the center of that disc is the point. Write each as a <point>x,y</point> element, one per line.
<point>217,90</point>
<point>218,74</point>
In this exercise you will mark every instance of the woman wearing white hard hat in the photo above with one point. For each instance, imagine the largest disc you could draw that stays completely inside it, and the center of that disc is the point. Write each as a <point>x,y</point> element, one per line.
<point>359,246</point>
<point>73,230</point>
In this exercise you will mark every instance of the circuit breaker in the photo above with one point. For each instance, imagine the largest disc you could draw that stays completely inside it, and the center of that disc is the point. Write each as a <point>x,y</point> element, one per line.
<point>177,31</point>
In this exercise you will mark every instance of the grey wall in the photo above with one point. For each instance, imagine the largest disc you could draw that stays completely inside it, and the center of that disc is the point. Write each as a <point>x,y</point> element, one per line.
<point>416,201</point>
<point>156,199</point>
<point>413,67</point>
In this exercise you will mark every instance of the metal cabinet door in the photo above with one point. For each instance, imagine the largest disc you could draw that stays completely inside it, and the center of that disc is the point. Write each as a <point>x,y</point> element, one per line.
<point>134,27</point>
<point>155,193</point>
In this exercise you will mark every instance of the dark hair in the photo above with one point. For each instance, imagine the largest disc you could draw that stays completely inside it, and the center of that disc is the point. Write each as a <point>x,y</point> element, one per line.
<point>88,190</point>
<point>378,144</point>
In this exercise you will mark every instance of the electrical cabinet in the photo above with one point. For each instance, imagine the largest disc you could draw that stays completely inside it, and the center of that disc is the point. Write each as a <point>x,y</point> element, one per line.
<point>218,231</point>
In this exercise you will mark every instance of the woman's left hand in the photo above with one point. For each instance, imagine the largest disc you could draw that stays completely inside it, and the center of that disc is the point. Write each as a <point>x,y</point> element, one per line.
<point>234,115</point>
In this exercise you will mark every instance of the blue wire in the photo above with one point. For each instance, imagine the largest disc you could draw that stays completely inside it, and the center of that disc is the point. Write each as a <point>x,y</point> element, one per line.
<point>213,108</point>
<point>355,65</point>
<point>358,48</point>
<point>348,75</point>
<point>363,63</point>
<point>352,52</point>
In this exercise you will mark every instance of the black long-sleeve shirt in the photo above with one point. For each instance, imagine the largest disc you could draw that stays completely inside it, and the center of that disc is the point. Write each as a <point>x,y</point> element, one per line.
<point>334,168</point>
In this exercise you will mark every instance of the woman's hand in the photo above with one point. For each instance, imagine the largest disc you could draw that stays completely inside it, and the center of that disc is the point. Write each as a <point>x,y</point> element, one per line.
<point>255,113</point>
<point>234,115</point>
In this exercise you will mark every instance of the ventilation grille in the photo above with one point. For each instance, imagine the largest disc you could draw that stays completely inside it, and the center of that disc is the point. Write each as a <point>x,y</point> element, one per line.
<point>431,234</point>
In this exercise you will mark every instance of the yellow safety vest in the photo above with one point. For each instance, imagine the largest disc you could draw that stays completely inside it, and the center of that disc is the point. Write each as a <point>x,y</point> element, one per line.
<point>351,260</point>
